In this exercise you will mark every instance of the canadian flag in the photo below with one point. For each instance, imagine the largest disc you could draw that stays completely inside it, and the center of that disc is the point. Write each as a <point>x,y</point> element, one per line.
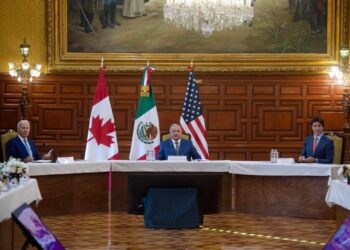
<point>102,138</point>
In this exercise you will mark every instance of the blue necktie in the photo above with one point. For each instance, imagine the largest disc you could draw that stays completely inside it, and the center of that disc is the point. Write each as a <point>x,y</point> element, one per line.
<point>26,144</point>
<point>177,147</point>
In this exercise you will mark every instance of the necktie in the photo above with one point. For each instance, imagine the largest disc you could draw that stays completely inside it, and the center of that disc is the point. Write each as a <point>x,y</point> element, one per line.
<point>26,144</point>
<point>314,145</point>
<point>177,147</point>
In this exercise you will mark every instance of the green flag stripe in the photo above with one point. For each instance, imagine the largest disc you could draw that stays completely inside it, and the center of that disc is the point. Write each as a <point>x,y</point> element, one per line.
<point>145,103</point>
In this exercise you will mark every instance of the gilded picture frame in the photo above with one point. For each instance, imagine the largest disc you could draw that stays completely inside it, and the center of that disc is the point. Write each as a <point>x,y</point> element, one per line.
<point>61,59</point>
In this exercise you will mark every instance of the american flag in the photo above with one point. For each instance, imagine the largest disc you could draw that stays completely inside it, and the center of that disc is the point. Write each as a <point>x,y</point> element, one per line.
<point>192,120</point>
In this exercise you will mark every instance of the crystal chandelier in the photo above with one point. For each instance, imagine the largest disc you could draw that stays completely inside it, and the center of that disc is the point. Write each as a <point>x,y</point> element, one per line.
<point>208,15</point>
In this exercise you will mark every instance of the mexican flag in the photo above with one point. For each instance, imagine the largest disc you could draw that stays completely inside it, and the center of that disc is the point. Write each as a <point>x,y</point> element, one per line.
<point>146,127</point>
<point>102,139</point>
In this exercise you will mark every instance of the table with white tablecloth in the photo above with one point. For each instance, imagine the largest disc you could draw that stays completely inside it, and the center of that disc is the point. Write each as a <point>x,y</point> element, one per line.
<point>246,186</point>
<point>27,192</point>
<point>295,190</point>
<point>266,168</point>
<point>338,195</point>
<point>132,179</point>
<point>72,188</point>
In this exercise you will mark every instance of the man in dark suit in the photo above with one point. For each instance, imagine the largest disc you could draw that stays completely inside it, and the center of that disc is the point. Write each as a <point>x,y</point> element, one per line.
<point>318,148</point>
<point>176,146</point>
<point>22,148</point>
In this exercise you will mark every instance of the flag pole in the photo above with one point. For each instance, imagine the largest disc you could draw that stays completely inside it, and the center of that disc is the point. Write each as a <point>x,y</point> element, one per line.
<point>109,179</point>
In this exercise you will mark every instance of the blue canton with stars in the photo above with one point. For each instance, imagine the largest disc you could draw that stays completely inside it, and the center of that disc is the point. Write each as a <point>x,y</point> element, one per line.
<point>192,106</point>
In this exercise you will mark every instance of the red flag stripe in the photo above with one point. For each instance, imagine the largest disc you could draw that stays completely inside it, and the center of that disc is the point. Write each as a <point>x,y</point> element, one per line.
<point>200,147</point>
<point>199,123</point>
<point>197,139</point>
<point>114,157</point>
<point>201,135</point>
<point>156,150</point>
<point>101,90</point>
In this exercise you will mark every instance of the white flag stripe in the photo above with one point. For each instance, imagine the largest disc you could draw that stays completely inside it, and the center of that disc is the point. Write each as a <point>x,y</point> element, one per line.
<point>194,141</point>
<point>199,132</point>
<point>103,152</point>
<point>139,149</point>
<point>93,150</point>
<point>200,142</point>
<point>97,109</point>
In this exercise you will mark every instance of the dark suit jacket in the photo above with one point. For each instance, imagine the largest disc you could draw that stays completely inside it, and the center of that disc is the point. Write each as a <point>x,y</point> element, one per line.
<point>16,149</point>
<point>186,148</point>
<point>324,151</point>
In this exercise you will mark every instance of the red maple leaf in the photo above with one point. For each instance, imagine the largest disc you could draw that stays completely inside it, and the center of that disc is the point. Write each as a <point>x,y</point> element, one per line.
<point>100,132</point>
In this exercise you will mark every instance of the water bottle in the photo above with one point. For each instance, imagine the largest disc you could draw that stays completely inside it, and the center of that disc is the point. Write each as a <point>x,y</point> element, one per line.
<point>273,155</point>
<point>149,155</point>
<point>277,154</point>
<point>151,152</point>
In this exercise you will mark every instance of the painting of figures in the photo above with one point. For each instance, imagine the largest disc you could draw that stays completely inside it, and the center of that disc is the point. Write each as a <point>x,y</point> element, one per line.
<point>140,26</point>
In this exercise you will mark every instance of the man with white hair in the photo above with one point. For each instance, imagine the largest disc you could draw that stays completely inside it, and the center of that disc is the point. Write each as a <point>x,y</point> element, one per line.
<point>22,148</point>
<point>176,146</point>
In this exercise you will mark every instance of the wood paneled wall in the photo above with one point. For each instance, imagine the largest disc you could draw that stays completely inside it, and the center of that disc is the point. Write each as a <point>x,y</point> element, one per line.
<point>246,115</point>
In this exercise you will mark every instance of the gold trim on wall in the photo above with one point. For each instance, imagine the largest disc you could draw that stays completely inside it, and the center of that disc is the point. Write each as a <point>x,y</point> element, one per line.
<point>61,60</point>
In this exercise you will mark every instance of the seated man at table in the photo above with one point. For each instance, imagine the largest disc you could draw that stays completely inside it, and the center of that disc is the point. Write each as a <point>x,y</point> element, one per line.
<point>176,146</point>
<point>318,148</point>
<point>21,147</point>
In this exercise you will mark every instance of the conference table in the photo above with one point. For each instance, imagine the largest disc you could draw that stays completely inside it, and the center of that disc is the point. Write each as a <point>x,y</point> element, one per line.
<point>338,195</point>
<point>281,189</point>
<point>10,200</point>
<point>71,188</point>
<point>132,180</point>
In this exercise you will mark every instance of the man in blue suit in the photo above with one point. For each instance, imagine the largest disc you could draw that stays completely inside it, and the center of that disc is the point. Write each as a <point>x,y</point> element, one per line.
<point>318,148</point>
<point>176,146</point>
<point>22,148</point>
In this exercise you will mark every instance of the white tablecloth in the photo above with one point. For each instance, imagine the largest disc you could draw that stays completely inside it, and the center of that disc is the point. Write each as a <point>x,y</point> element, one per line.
<point>171,166</point>
<point>12,199</point>
<point>266,168</point>
<point>338,193</point>
<point>233,167</point>
<point>77,167</point>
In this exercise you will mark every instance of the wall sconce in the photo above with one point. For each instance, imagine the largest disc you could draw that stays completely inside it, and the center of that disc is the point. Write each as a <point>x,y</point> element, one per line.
<point>24,74</point>
<point>342,73</point>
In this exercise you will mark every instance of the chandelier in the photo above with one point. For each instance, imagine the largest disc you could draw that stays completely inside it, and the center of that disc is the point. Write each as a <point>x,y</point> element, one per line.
<point>23,71</point>
<point>208,15</point>
<point>341,74</point>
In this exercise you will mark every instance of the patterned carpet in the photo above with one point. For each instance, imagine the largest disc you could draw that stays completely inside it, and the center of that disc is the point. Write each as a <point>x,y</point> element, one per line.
<point>219,231</point>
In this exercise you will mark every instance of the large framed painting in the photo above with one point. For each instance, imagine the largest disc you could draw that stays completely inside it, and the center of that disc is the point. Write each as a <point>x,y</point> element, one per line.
<point>244,35</point>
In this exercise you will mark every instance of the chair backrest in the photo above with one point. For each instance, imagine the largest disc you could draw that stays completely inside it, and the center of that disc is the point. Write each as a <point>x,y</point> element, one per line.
<point>339,142</point>
<point>4,139</point>
<point>183,137</point>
